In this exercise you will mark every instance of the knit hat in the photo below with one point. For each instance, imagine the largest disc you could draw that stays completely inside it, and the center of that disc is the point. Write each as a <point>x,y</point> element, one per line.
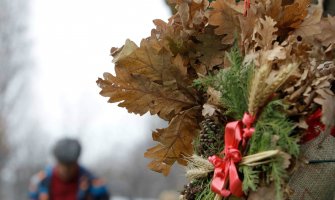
<point>67,150</point>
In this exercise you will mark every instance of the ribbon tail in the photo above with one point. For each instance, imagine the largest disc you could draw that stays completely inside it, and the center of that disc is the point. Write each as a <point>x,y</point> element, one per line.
<point>219,181</point>
<point>235,184</point>
<point>223,192</point>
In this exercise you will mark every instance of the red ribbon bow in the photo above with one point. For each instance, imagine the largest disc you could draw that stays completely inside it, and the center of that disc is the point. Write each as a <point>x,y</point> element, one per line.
<point>225,168</point>
<point>247,120</point>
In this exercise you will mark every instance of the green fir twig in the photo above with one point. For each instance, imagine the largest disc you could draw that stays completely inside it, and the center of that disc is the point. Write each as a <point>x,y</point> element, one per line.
<point>232,82</point>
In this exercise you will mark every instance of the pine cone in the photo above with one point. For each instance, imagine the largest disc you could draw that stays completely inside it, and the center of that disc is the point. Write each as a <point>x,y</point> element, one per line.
<point>190,191</point>
<point>210,136</point>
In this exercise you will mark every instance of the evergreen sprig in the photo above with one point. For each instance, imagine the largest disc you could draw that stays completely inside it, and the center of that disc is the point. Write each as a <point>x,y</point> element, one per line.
<point>273,131</point>
<point>273,121</point>
<point>232,82</point>
<point>203,83</point>
<point>206,193</point>
<point>278,173</point>
<point>250,178</point>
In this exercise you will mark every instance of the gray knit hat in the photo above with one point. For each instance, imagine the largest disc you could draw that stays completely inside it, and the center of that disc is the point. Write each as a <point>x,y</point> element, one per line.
<point>67,150</point>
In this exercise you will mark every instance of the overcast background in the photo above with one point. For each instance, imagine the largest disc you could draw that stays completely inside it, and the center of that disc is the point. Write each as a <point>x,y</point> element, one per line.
<point>52,52</point>
<point>71,45</point>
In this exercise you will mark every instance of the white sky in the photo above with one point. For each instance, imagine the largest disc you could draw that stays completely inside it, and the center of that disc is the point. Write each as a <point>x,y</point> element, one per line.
<point>72,40</point>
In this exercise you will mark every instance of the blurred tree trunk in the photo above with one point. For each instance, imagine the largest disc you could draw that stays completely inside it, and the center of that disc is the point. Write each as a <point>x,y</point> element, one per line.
<point>14,50</point>
<point>3,148</point>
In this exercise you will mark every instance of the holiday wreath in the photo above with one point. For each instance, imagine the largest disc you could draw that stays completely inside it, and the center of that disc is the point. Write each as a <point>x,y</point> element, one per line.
<point>248,90</point>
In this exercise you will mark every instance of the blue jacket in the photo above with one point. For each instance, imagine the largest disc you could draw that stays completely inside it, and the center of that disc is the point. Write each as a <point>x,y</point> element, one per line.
<point>90,187</point>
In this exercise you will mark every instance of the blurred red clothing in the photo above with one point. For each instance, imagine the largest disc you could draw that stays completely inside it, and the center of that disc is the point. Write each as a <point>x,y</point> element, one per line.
<point>63,190</point>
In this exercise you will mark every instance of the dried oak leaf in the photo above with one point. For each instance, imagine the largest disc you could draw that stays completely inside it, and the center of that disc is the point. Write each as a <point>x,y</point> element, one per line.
<point>264,33</point>
<point>327,36</point>
<point>265,50</point>
<point>175,141</point>
<point>148,79</point>
<point>224,15</point>
<point>294,14</point>
<point>172,35</point>
<point>288,13</point>
<point>273,8</point>
<point>313,85</point>
<point>208,51</point>
<point>311,24</point>
<point>126,50</point>
<point>191,12</point>
<point>260,10</point>
<point>208,110</point>
<point>246,28</point>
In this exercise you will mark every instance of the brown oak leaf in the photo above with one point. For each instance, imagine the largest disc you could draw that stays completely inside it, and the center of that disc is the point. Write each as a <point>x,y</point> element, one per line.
<point>208,110</point>
<point>191,12</point>
<point>247,26</point>
<point>327,36</point>
<point>175,141</point>
<point>224,15</point>
<point>311,24</point>
<point>264,33</point>
<point>148,79</point>
<point>172,35</point>
<point>294,14</point>
<point>313,85</point>
<point>126,50</point>
<point>208,51</point>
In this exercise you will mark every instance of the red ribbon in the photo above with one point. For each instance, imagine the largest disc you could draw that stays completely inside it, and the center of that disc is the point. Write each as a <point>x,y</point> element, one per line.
<point>225,168</point>
<point>315,127</point>
<point>247,120</point>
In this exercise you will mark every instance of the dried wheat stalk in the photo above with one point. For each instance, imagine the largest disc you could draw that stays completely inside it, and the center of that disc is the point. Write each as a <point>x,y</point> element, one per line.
<point>258,84</point>
<point>264,86</point>
<point>198,167</point>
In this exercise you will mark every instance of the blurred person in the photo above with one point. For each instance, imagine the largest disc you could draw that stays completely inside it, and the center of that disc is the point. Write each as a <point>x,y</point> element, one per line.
<point>67,180</point>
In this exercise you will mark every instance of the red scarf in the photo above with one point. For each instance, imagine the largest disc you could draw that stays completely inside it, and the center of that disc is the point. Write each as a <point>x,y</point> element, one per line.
<point>63,190</point>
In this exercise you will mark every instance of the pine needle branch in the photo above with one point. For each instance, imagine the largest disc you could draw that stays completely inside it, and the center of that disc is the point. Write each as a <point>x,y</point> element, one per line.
<point>273,121</point>
<point>206,193</point>
<point>232,82</point>
<point>250,178</point>
<point>278,173</point>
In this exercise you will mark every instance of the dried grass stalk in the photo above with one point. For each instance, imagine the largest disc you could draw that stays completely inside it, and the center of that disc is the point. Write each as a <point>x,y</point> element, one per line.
<point>198,167</point>
<point>263,85</point>
<point>258,84</point>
